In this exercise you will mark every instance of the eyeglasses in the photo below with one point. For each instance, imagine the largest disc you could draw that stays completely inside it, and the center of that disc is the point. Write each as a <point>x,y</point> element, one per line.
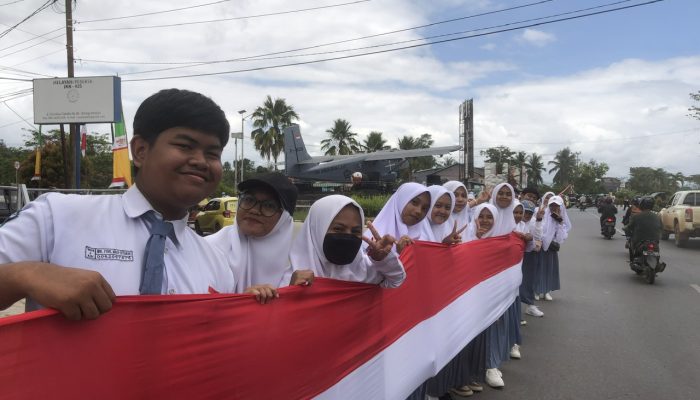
<point>267,208</point>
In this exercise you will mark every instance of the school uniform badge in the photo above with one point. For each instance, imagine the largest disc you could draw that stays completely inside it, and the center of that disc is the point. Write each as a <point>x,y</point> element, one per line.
<point>106,254</point>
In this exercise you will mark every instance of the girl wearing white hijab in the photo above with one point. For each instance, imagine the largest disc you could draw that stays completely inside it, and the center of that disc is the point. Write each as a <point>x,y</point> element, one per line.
<point>555,230</point>
<point>329,245</point>
<point>460,213</point>
<point>442,205</point>
<point>403,215</point>
<point>503,197</point>
<point>539,269</point>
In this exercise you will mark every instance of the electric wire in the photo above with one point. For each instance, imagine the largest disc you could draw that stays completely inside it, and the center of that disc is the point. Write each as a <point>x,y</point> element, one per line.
<point>331,43</point>
<point>222,19</point>
<point>34,45</point>
<point>34,38</point>
<point>396,49</point>
<point>10,3</point>
<point>256,58</point>
<point>15,112</point>
<point>152,13</point>
<point>25,19</point>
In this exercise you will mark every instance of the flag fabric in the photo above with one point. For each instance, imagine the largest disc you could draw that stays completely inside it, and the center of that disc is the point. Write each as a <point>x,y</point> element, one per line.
<point>334,339</point>
<point>37,160</point>
<point>121,166</point>
<point>83,139</point>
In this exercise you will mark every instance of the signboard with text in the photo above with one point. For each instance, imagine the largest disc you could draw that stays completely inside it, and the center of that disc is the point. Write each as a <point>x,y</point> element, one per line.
<point>83,100</point>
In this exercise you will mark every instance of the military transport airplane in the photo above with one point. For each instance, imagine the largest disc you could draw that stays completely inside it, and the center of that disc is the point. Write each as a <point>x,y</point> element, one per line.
<point>380,166</point>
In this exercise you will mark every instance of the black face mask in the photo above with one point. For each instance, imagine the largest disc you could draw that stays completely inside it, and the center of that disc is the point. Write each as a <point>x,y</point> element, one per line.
<point>341,248</point>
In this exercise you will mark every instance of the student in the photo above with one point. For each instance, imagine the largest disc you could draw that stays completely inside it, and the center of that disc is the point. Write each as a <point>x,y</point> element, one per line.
<point>403,215</point>
<point>503,197</point>
<point>485,217</point>
<point>257,244</point>
<point>527,287</point>
<point>75,252</point>
<point>554,233</point>
<point>460,213</point>
<point>329,244</point>
<point>442,204</point>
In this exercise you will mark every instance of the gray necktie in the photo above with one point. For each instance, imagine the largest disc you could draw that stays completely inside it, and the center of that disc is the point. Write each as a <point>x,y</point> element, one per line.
<point>152,276</point>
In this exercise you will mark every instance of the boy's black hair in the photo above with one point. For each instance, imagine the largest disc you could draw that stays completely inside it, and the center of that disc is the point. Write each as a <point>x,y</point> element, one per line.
<point>532,190</point>
<point>172,108</point>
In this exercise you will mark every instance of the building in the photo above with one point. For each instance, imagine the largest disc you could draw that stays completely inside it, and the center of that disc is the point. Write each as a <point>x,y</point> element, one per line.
<point>611,184</point>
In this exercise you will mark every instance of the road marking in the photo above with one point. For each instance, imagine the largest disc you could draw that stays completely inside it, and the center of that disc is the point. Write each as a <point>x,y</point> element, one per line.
<point>696,287</point>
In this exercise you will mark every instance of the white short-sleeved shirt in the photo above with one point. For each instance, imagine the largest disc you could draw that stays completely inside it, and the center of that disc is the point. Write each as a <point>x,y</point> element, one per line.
<point>107,234</point>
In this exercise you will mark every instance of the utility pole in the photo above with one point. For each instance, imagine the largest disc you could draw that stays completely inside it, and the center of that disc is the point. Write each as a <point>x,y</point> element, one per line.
<point>73,137</point>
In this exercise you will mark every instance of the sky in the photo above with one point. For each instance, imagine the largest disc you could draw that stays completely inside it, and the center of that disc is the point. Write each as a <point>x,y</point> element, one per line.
<point>613,86</point>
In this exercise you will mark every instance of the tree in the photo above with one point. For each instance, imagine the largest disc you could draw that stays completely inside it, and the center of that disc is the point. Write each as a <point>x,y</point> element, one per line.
<point>519,161</point>
<point>341,139</point>
<point>269,119</point>
<point>374,142</point>
<point>565,162</point>
<point>9,155</point>
<point>695,110</point>
<point>499,155</point>
<point>417,163</point>
<point>535,166</point>
<point>448,161</point>
<point>589,177</point>
<point>647,180</point>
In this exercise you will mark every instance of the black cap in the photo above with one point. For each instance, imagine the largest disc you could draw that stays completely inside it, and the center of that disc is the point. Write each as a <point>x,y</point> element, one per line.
<point>279,184</point>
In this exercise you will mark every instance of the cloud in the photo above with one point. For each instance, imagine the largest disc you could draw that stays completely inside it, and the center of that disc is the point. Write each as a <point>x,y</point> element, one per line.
<point>536,37</point>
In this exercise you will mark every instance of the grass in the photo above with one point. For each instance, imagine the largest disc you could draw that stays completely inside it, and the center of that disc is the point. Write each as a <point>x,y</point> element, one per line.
<point>371,205</point>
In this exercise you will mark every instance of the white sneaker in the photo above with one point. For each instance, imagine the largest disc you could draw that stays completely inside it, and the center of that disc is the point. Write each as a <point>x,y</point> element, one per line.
<point>548,297</point>
<point>515,352</point>
<point>534,311</point>
<point>537,296</point>
<point>494,379</point>
<point>523,322</point>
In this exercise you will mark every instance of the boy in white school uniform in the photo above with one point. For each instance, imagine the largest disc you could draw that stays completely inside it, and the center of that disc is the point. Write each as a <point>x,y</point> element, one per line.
<point>74,253</point>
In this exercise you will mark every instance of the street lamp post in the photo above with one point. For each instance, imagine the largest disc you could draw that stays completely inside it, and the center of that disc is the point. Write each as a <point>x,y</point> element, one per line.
<point>242,136</point>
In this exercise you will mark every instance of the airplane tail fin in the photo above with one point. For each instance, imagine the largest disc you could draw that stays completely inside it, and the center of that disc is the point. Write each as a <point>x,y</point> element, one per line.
<point>294,149</point>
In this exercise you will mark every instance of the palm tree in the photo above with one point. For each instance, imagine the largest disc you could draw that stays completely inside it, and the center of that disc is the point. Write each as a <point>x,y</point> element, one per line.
<point>519,161</point>
<point>375,142</point>
<point>534,166</point>
<point>679,177</point>
<point>341,140</point>
<point>269,121</point>
<point>565,162</point>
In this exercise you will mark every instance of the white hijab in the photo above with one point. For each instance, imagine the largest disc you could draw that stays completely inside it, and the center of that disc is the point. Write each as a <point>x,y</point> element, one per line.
<point>551,227</point>
<point>388,221</point>
<point>471,231</point>
<point>256,260</point>
<point>461,217</point>
<point>307,249</point>
<point>506,222</point>
<point>439,231</point>
<point>521,226</point>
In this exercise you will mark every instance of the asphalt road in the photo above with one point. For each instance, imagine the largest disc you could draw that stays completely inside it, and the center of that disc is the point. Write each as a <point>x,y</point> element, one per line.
<point>608,334</point>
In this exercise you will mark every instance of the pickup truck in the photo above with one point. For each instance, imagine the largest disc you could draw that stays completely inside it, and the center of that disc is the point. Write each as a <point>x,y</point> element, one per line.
<point>681,217</point>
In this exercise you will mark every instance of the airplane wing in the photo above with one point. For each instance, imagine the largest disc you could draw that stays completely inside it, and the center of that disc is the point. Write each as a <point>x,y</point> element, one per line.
<point>323,159</point>
<point>333,161</point>
<point>398,154</point>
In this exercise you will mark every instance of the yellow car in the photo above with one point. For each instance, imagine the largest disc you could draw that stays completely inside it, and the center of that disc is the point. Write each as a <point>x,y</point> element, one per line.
<point>216,214</point>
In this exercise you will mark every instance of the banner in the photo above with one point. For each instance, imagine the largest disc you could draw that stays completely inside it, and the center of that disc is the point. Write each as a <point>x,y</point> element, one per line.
<point>83,139</point>
<point>37,160</point>
<point>121,166</point>
<point>334,339</point>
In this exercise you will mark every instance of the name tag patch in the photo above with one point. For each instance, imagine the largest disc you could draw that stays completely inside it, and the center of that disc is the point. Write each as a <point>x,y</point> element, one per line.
<point>92,253</point>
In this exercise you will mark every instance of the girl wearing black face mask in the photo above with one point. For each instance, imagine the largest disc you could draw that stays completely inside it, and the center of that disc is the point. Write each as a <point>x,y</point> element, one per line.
<point>330,240</point>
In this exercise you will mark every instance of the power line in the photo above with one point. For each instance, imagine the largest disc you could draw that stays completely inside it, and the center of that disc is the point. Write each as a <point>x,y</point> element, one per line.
<point>10,3</point>
<point>597,140</point>
<point>396,49</point>
<point>224,19</point>
<point>153,13</point>
<point>15,112</point>
<point>15,79</point>
<point>34,45</point>
<point>36,58</point>
<point>256,58</point>
<point>330,43</point>
<point>34,38</point>
<point>35,12</point>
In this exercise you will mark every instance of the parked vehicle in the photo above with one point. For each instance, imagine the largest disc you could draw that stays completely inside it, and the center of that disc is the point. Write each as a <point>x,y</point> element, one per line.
<point>216,214</point>
<point>608,229</point>
<point>681,217</point>
<point>646,261</point>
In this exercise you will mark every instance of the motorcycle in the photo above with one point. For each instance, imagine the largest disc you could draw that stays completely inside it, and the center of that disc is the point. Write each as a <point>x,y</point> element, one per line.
<point>647,261</point>
<point>608,228</point>
<point>582,206</point>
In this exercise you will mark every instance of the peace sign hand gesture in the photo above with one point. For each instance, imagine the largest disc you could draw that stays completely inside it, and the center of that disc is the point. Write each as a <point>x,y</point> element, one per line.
<point>455,237</point>
<point>379,246</point>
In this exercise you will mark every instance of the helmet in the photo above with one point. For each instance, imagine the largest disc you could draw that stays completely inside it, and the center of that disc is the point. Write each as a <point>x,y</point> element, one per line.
<point>646,203</point>
<point>635,201</point>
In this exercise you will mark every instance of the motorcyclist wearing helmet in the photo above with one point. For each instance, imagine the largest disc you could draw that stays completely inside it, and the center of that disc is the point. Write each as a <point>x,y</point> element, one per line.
<point>607,210</point>
<point>646,225</point>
